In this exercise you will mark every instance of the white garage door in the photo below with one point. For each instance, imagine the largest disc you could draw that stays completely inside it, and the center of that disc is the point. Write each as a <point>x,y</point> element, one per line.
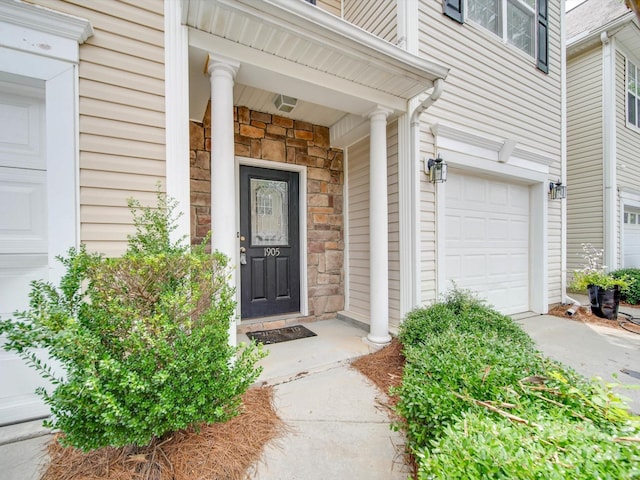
<point>487,239</point>
<point>631,241</point>
<point>23,232</point>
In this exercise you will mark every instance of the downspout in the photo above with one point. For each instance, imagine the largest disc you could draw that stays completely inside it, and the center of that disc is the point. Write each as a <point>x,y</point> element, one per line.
<point>609,150</point>
<point>563,173</point>
<point>438,87</point>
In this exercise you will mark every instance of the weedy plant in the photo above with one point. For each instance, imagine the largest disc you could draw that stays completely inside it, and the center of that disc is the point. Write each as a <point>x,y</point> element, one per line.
<point>478,401</point>
<point>142,339</point>
<point>593,272</point>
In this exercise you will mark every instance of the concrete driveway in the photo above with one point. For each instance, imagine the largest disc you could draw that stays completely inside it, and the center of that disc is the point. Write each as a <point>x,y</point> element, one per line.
<point>592,350</point>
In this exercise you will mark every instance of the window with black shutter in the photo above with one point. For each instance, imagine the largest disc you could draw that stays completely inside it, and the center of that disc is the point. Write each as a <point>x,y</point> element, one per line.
<point>521,23</point>
<point>454,9</point>
<point>543,36</point>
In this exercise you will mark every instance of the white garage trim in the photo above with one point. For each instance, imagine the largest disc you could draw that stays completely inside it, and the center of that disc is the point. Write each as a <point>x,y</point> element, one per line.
<point>628,200</point>
<point>477,159</point>
<point>42,44</point>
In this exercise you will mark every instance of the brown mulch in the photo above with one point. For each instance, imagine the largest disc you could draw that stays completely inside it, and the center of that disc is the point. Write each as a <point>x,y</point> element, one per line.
<point>383,368</point>
<point>583,314</point>
<point>224,451</point>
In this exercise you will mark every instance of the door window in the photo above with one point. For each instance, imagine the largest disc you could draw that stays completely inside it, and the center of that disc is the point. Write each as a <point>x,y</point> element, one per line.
<point>269,212</point>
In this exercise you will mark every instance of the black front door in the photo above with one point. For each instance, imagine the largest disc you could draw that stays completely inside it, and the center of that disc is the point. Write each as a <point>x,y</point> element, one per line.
<point>269,242</point>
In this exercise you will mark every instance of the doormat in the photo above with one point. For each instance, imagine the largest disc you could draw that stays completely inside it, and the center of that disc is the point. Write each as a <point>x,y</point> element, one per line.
<point>278,335</point>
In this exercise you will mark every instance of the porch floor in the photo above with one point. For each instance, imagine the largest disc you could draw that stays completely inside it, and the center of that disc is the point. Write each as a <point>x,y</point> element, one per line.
<point>337,343</point>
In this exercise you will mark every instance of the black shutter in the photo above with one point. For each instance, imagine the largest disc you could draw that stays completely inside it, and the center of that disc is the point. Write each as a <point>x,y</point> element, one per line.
<point>543,36</point>
<point>454,9</point>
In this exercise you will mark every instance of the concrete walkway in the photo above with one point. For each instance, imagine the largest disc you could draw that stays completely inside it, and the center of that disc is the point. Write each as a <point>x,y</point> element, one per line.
<point>592,350</point>
<point>338,427</point>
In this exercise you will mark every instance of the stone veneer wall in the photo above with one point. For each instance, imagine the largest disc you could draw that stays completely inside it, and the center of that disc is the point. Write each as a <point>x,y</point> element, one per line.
<point>282,140</point>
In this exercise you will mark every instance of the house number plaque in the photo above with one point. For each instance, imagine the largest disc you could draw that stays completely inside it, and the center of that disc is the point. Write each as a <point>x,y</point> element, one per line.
<point>271,252</point>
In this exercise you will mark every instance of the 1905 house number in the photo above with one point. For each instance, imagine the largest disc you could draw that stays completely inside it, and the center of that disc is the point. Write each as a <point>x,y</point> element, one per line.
<point>271,252</point>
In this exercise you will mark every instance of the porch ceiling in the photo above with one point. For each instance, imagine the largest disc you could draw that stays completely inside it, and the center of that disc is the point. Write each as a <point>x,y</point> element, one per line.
<point>295,48</point>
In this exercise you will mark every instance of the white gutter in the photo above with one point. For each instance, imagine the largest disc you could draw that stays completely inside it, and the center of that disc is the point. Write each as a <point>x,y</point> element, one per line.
<point>611,28</point>
<point>438,87</point>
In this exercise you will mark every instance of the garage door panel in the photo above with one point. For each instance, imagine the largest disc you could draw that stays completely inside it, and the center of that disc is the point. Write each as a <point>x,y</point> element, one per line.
<point>498,195</point>
<point>24,240</point>
<point>631,238</point>
<point>474,228</point>
<point>487,249</point>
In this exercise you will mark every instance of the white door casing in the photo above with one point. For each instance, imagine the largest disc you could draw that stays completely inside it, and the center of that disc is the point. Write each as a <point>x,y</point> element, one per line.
<point>38,170</point>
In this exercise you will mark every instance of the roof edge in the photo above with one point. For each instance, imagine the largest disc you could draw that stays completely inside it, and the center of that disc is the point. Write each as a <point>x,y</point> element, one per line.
<point>334,30</point>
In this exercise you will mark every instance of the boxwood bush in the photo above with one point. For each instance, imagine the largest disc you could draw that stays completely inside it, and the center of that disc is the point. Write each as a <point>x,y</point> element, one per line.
<point>478,401</point>
<point>630,294</point>
<point>142,339</point>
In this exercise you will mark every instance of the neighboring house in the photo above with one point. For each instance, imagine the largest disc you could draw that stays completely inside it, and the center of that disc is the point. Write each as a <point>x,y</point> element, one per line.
<point>603,133</point>
<point>299,134</point>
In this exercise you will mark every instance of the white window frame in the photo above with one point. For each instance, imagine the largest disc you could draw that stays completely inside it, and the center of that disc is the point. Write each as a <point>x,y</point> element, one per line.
<point>502,15</point>
<point>636,66</point>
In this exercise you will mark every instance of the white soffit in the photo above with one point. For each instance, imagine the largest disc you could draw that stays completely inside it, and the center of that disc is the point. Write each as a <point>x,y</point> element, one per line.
<point>284,43</point>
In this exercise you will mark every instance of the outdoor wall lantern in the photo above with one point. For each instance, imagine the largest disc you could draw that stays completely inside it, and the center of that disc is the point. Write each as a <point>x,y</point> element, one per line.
<point>557,190</point>
<point>436,169</point>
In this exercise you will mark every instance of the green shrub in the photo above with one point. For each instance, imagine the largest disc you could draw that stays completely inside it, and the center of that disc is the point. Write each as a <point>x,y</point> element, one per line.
<point>478,446</point>
<point>478,401</point>
<point>142,339</point>
<point>632,293</point>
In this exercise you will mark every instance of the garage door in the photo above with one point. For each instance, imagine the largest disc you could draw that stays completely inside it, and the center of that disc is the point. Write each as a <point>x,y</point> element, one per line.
<point>631,241</point>
<point>487,239</point>
<point>23,232</point>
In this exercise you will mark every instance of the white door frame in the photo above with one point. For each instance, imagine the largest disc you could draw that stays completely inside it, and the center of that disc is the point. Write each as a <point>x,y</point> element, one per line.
<point>302,172</point>
<point>41,44</point>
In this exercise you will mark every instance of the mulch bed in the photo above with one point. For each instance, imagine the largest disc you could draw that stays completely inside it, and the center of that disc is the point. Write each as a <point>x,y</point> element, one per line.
<point>383,368</point>
<point>583,314</point>
<point>221,451</point>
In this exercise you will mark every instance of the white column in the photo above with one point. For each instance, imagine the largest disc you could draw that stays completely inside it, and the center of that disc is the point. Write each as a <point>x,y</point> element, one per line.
<point>223,182</point>
<point>176,72</point>
<point>378,229</point>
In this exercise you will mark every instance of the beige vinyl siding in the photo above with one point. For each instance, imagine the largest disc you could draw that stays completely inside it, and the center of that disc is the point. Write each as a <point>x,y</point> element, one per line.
<point>358,229</point>
<point>394,223</point>
<point>331,6</point>
<point>627,148</point>
<point>375,16</point>
<point>628,137</point>
<point>492,87</point>
<point>428,227</point>
<point>122,133</point>
<point>495,90</point>
<point>584,155</point>
<point>358,234</point>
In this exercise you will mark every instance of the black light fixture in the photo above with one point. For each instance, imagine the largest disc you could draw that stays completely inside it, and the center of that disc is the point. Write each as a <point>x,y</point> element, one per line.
<point>557,191</point>
<point>437,170</point>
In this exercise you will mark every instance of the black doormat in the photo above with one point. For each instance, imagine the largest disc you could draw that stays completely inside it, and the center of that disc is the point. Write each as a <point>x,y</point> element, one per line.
<point>277,335</point>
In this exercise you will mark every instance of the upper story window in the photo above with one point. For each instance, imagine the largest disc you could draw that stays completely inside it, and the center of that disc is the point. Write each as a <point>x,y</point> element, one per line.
<point>512,20</point>
<point>522,23</point>
<point>633,94</point>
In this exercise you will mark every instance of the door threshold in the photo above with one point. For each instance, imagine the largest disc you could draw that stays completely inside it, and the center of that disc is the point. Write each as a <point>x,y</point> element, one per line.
<point>273,321</point>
